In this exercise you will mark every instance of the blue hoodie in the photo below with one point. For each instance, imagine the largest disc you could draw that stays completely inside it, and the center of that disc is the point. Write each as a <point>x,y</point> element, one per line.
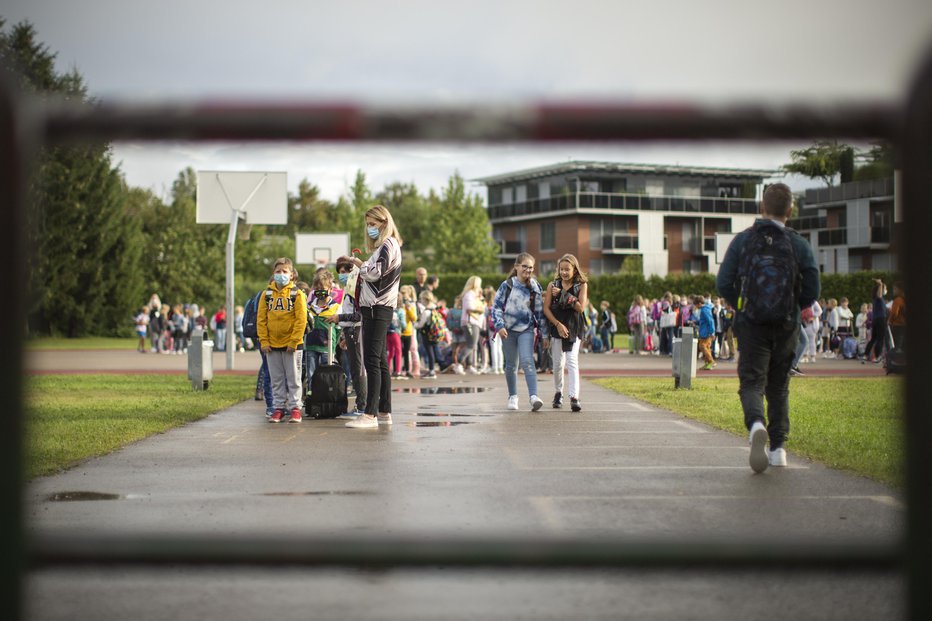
<point>706,321</point>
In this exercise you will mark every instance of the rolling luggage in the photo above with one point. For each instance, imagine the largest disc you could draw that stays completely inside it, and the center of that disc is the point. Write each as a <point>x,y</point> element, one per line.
<point>896,356</point>
<point>327,395</point>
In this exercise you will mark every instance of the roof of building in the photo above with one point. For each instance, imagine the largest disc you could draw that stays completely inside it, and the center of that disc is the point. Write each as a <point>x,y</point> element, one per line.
<point>576,166</point>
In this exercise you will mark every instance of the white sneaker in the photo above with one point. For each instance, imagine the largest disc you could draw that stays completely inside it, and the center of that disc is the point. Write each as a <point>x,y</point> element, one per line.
<point>364,422</point>
<point>458,369</point>
<point>475,371</point>
<point>384,419</point>
<point>513,402</point>
<point>758,439</point>
<point>536,403</point>
<point>777,458</point>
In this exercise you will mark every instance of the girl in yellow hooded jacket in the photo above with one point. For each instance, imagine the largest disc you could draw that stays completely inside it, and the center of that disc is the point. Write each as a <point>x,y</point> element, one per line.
<point>280,323</point>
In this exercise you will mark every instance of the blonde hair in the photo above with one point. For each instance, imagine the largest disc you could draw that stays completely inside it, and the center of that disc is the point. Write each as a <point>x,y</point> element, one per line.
<point>408,292</point>
<point>578,276</point>
<point>323,279</point>
<point>387,227</point>
<point>474,284</point>
<point>427,298</point>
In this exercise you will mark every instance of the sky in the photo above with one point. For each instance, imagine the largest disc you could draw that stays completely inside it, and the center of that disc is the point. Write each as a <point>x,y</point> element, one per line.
<point>440,53</point>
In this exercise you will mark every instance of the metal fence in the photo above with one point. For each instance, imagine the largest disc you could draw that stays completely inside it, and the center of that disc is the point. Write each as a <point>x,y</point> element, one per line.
<point>27,124</point>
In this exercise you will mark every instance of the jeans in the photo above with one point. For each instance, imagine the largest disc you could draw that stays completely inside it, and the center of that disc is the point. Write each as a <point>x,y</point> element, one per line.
<point>767,354</point>
<point>572,367</point>
<point>314,359</point>
<point>519,347</point>
<point>375,322</point>
<point>220,342</point>
<point>801,346</point>
<point>263,379</point>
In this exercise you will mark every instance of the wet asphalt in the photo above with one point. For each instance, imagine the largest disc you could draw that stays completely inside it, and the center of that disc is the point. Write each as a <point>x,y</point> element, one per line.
<point>456,463</point>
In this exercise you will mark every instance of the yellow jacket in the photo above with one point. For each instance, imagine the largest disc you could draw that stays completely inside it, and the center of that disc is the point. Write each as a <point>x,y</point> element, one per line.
<point>282,317</point>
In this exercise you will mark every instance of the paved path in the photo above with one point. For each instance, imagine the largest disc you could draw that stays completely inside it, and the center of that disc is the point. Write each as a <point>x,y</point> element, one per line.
<point>456,463</point>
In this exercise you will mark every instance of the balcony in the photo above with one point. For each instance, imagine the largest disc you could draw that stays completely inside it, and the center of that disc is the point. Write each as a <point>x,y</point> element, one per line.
<point>623,202</point>
<point>619,243</point>
<point>881,235</point>
<point>833,237</point>
<point>808,223</point>
<point>509,249</point>
<point>849,191</point>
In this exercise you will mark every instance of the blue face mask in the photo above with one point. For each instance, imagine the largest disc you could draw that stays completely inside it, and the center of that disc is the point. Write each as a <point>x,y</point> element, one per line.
<point>281,279</point>
<point>343,278</point>
<point>373,232</point>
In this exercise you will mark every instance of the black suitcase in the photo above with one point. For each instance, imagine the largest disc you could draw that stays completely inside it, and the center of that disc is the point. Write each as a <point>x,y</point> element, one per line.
<point>896,356</point>
<point>326,397</point>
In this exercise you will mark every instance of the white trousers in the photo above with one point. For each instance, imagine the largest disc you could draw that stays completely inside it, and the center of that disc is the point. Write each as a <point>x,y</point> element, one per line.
<point>572,367</point>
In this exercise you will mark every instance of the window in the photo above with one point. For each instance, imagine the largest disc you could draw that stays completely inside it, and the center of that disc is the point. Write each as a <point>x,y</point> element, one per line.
<point>520,193</point>
<point>547,270</point>
<point>548,235</point>
<point>595,233</point>
<point>507,196</point>
<point>522,237</point>
<point>688,234</point>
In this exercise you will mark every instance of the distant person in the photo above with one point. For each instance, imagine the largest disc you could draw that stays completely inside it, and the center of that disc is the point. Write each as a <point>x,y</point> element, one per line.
<point>473,305</point>
<point>565,303</point>
<point>420,281</point>
<point>878,323</point>
<point>141,320</point>
<point>607,326</point>
<point>239,341</point>
<point>179,330</point>
<point>517,314</point>
<point>897,316</point>
<point>280,323</point>
<point>706,331</point>
<point>781,276</point>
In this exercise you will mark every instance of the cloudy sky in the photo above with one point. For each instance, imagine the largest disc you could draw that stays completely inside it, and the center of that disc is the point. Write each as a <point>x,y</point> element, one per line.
<point>435,52</point>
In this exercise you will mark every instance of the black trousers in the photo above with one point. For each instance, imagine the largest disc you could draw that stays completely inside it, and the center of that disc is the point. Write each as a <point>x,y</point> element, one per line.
<point>375,322</point>
<point>766,356</point>
<point>354,355</point>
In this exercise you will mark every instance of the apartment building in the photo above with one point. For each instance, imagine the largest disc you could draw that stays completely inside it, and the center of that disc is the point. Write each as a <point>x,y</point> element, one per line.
<point>852,226</point>
<point>605,212</point>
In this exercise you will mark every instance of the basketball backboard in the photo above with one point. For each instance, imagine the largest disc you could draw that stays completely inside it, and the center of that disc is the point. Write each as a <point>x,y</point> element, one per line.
<point>261,196</point>
<point>320,248</point>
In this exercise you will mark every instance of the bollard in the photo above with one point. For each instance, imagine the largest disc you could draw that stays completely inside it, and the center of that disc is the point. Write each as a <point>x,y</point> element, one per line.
<point>200,360</point>
<point>684,358</point>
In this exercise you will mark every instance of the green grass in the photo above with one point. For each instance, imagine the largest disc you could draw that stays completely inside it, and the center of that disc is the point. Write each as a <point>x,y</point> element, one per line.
<point>72,417</point>
<point>89,342</point>
<point>852,424</point>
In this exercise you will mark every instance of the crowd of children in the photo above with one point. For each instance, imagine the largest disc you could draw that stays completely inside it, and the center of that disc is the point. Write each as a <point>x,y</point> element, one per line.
<point>167,329</point>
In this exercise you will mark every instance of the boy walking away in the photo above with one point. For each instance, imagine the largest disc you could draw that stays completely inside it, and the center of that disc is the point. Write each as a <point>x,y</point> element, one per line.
<point>280,325</point>
<point>768,274</point>
<point>350,321</point>
<point>706,331</point>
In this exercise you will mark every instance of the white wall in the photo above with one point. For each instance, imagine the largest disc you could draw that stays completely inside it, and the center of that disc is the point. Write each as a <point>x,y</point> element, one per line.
<point>858,220</point>
<point>650,242</point>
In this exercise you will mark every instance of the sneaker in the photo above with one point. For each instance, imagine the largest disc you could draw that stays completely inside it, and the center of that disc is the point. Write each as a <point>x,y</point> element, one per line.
<point>268,413</point>
<point>758,439</point>
<point>558,400</point>
<point>364,422</point>
<point>777,458</point>
<point>276,416</point>
<point>475,371</point>
<point>709,366</point>
<point>295,416</point>
<point>513,402</point>
<point>574,404</point>
<point>458,369</point>
<point>350,415</point>
<point>795,372</point>
<point>536,403</point>
<point>403,378</point>
<point>384,419</point>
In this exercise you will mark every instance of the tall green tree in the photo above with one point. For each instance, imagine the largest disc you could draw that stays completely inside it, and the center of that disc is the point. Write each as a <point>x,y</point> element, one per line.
<point>876,163</point>
<point>86,275</point>
<point>461,236</point>
<point>823,160</point>
<point>412,214</point>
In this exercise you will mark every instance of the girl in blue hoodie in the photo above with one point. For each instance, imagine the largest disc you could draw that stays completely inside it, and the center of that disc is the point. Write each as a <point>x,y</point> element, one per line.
<point>517,314</point>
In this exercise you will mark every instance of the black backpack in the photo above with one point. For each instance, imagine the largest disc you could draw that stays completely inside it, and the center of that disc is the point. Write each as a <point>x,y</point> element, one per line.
<point>769,275</point>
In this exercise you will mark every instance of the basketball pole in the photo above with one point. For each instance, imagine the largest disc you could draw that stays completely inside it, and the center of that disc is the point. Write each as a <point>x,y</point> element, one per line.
<point>235,215</point>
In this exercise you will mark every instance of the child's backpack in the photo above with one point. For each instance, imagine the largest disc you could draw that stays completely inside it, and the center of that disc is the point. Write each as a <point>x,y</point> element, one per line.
<point>250,317</point>
<point>436,329</point>
<point>656,311</point>
<point>769,275</point>
<point>849,348</point>
<point>634,316</point>
<point>454,320</point>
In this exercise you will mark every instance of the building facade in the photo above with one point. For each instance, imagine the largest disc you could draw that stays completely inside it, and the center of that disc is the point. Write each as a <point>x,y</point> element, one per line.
<point>605,212</point>
<point>852,226</point>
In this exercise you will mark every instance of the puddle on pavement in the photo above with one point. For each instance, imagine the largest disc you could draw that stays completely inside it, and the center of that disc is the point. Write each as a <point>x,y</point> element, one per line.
<point>318,493</point>
<point>78,496</point>
<point>445,423</point>
<point>442,390</point>
<point>446,414</point>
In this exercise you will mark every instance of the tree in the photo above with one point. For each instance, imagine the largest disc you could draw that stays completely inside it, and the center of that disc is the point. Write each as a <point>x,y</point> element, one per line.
<point>878,162</point>
<point>411,213</point>
<point>86,276</point>
<point>461,233</point>
<point>823,160</point>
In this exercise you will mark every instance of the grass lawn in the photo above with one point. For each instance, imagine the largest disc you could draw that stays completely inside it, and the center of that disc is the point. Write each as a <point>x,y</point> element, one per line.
<point>72,417</point>
<point>89,342</point>
<point>847,423</point>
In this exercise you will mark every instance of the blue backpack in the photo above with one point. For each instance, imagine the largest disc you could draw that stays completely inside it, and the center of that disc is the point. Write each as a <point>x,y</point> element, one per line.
<point>769,275</point>
<point>250,317</point>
